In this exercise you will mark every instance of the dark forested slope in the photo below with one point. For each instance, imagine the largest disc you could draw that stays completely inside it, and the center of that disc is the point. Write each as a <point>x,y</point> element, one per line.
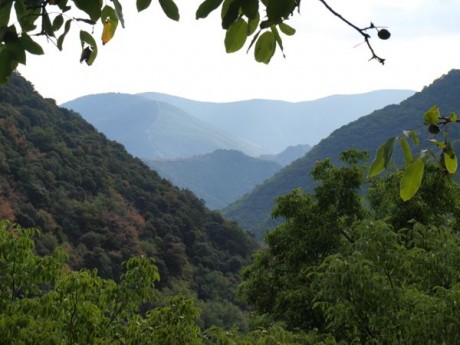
<point>58,173</point>
<point>252,212</point>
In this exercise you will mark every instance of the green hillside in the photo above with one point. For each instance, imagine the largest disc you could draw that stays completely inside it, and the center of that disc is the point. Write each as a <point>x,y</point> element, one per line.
<point>218,178</point>
<point>252,212</point>
<point>153,130</point>
<point>86,192</point>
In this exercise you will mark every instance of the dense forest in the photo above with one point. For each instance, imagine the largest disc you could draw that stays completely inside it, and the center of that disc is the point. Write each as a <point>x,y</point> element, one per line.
<point>129,259</point>
<point>88,194</point>
<point>253,211</point>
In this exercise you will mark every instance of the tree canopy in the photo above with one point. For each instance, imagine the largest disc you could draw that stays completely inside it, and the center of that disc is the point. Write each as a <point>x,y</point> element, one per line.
<point>261,22</point>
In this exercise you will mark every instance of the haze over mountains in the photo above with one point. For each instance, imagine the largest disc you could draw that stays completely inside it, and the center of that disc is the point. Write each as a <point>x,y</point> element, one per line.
<point>253,211</point>
<point>150,129</point>
<point>274,125</point>
<point>156,126</point>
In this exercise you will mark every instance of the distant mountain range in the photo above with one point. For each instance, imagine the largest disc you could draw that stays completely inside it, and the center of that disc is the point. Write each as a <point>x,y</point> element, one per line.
<point>288,155</point>
<point>158,126</point>
<point>154,130</point>
<point>274,125</point>
<point>218,178</point>
<point>252,212</point>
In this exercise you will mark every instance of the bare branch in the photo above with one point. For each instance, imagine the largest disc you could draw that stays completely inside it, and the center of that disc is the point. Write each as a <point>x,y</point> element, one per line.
<point>362,31</point>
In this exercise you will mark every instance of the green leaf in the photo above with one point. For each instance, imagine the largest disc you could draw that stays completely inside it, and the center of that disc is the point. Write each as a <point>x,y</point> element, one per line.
<point>170,9</point>
<point>453,117</point>
<point>450,162</point>
<point>87,39</point>
<point>47,27</point>
<point>7,64</point>
<point>58,22</point>
<point>26,15</point>
<point>265,47</point>
<point>406,151</point>
<point>439,144</point>
<point>253,24</point>
<point>412,135</point>
<point>30,45</point>
<point>207,7</point>
<point>230,12</point>
<point>142,4</point>
<point>278,39</point>
<point>119,10</point>
<point>431,117</point>
<point>61,38</point>
<point>450,159</point>
<point>277,10</point>
<point>109,20</point>
<point>5,11</point>
<point>250,8</point>
<point>91,7</point>
<point>382,158</point>
<point>412,179</point>
<point>236,35</point>
<point>286,29</point>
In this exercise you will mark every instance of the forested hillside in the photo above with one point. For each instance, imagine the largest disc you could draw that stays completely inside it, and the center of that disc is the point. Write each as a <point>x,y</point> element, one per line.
<point>218,178</point>
<point>87,193</point>
<point>252,212</point>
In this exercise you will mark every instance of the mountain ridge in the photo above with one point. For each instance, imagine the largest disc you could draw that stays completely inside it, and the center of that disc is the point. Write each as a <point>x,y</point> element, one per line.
<point>252,212</point>
<point>151,129</point>
<point>275,125</point>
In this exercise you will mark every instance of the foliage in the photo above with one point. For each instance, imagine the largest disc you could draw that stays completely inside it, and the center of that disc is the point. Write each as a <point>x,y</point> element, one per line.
<point>44,302</point>
<point>54,19</point>
<point>104,206</point>
<point>375,270</point>
<point>314,227</point>
<point>411,179</point>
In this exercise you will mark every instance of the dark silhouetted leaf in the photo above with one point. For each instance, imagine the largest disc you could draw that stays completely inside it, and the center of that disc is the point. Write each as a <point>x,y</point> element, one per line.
<point>170,9</point>
<point>142,4</point>
<point>119,10</point>
<point>207,7</point>
<point>230,12</point>
<point>91,7</point>
<point>30,45</point>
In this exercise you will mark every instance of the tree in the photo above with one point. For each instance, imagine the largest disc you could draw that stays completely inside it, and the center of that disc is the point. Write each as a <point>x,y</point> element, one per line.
<point>263,20</point>
<point>374,270</point>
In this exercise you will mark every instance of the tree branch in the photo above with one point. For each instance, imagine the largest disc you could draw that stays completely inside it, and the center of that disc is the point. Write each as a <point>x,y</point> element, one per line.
<point>361,31</point>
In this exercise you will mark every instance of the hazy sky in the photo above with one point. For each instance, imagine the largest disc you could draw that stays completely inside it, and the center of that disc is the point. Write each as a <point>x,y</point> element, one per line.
<point>324,57</point>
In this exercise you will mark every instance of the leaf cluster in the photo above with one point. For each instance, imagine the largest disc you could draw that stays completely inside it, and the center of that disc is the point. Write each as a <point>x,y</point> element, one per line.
<point>381,272</point>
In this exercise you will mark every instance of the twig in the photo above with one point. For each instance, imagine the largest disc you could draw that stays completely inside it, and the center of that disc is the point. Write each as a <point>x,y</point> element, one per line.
<point>361,31</point>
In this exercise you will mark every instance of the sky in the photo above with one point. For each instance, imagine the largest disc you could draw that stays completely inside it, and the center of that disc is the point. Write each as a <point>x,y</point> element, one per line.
<point>324,57</point>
